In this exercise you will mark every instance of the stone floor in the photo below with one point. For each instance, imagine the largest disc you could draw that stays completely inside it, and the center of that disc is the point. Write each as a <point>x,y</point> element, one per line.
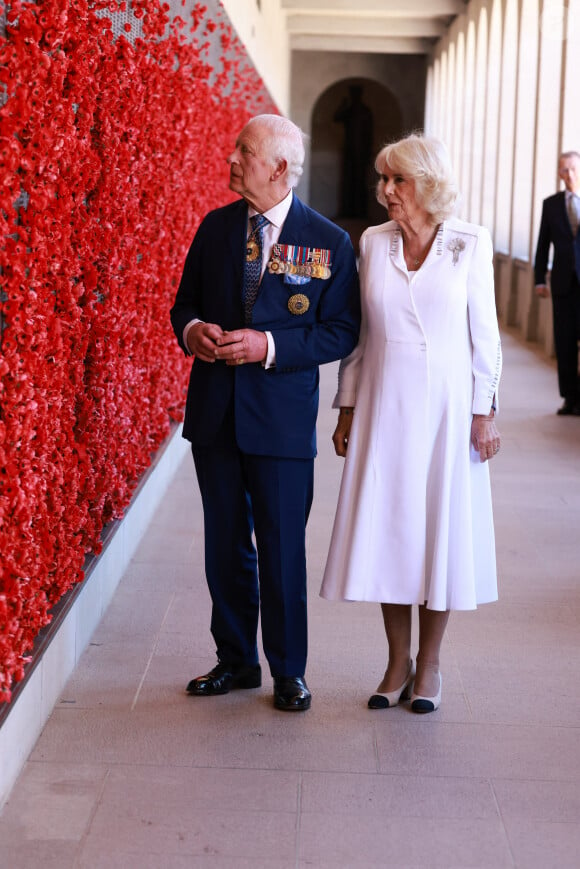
<point>130,772</point>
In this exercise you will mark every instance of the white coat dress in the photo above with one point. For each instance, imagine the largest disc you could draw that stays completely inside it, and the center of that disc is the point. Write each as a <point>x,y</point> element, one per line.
<point>414,519</point>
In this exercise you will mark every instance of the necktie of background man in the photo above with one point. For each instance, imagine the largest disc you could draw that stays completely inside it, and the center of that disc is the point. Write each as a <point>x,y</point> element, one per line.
<point>573,203</point>
<point>574,218</point>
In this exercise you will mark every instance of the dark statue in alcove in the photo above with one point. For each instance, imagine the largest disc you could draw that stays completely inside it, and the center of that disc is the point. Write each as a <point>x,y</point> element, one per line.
<point>357,119</point>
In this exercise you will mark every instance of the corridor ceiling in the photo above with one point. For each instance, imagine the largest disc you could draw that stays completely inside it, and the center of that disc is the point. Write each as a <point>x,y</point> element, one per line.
<point>369,26</point>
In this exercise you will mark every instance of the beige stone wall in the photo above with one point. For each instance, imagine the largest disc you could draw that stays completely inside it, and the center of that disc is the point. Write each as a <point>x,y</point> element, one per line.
<point>502,92</point>
<point>262,29</point>
<point>314,73</point>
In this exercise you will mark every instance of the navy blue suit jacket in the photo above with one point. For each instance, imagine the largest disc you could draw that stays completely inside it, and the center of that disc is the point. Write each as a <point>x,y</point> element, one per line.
<point>555,229</point>
<point>275,409</point>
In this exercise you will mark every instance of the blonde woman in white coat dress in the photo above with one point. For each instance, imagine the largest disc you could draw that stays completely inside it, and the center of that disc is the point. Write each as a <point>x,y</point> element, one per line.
<point>417,401</point>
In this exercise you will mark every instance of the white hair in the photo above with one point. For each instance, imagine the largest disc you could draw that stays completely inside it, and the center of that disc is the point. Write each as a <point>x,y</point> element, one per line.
<point>283,141</point>
<point>425,160</point>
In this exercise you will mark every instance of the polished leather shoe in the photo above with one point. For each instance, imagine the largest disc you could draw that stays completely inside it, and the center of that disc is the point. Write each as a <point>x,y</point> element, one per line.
<point>569,408</point>
<point>223,678</point>
<point>291,694</point>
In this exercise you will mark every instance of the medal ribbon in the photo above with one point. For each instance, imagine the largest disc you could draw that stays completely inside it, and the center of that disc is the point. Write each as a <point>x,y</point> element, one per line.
<point>290,253</point>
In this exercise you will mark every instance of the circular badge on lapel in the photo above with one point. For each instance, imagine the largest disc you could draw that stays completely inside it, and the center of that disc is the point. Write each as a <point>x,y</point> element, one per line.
<point>298,304</point>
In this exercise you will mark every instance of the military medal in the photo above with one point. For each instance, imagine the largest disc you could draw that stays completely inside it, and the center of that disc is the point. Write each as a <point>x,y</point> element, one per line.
<point>276,266</point>
<point>298,304</point>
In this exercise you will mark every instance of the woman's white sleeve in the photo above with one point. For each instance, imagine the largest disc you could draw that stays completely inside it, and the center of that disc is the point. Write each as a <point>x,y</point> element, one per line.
<point>349,369</point>
<point>483,325</point>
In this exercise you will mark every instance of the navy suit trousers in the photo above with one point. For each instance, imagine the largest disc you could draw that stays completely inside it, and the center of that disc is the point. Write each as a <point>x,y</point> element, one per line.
<point>269,497</point>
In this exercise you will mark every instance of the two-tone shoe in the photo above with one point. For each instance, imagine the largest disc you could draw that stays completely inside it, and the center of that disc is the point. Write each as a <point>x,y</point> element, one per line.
<point>388,699</point>
<point>426,704</point>
<point>224,678</point>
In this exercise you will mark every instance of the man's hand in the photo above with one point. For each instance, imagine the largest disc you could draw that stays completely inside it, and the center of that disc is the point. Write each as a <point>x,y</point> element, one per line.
<point>201,340</point>
<point>241,346</point>
<point>543,291</point>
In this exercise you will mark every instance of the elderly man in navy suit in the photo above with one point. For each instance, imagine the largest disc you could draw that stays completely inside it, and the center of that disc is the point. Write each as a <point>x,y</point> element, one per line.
<point>269,292</point>
<point>559,228</point>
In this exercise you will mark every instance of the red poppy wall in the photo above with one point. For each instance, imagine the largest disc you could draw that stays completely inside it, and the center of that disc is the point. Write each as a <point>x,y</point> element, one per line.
<point>114,129</point>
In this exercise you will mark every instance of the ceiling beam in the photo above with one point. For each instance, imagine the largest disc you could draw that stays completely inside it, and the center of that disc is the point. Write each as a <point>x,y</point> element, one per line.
<point>352,26</point>
<point>361,44</point>
<point>387,8</point>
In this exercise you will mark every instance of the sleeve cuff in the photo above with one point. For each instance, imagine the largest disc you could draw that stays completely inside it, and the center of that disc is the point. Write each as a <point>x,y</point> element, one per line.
<point>271,354</point>
<point>482,404</point>
<point>344,399</point>
<point>185,334</point>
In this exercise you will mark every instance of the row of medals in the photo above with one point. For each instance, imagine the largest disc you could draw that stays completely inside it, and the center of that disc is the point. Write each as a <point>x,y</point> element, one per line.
<point>298,303</point>
<point>281,267</point>
<point>306,270</point>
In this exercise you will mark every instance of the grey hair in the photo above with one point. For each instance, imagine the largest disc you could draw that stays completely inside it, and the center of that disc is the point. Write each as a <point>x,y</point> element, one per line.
<point>284,141</point>
<point>425,161</point>
<point>567,154</point>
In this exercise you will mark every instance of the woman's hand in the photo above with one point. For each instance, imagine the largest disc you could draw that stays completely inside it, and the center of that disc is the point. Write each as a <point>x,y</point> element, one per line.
<point>485,436</point>
<point>342,430</point>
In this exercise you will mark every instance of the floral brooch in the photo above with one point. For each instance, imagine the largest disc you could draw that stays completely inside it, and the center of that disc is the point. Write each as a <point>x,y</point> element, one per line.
<point>456,245</point>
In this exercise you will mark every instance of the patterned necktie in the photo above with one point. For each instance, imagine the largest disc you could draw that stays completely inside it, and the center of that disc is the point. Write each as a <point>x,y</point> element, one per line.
<point>253,266</point>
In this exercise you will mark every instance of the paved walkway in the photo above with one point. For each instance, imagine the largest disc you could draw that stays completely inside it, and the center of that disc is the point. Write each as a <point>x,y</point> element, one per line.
<point>130,772</point>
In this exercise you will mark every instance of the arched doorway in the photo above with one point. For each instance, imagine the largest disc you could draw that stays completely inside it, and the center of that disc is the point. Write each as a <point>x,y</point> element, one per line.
<point>352,117</point>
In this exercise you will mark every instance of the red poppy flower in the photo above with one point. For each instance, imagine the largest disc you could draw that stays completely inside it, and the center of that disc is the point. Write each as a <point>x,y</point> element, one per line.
<point>102,141</point>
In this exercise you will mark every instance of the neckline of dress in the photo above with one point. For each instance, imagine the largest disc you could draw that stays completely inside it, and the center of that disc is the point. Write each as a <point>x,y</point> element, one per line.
<point>397,244</point>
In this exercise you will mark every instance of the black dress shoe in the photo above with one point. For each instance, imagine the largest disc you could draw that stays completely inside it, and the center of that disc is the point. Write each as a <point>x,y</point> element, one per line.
<point>569,408</point>
<point>291,694</point>
<point>223,678</point>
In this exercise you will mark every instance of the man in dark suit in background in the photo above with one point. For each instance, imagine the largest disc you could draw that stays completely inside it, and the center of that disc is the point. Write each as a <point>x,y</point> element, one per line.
<point>269,292</point>
<point>559,228</point>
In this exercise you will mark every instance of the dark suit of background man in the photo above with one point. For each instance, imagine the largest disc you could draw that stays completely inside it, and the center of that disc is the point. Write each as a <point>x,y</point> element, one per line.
<point>559,228</point>
<point>252,402</point>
